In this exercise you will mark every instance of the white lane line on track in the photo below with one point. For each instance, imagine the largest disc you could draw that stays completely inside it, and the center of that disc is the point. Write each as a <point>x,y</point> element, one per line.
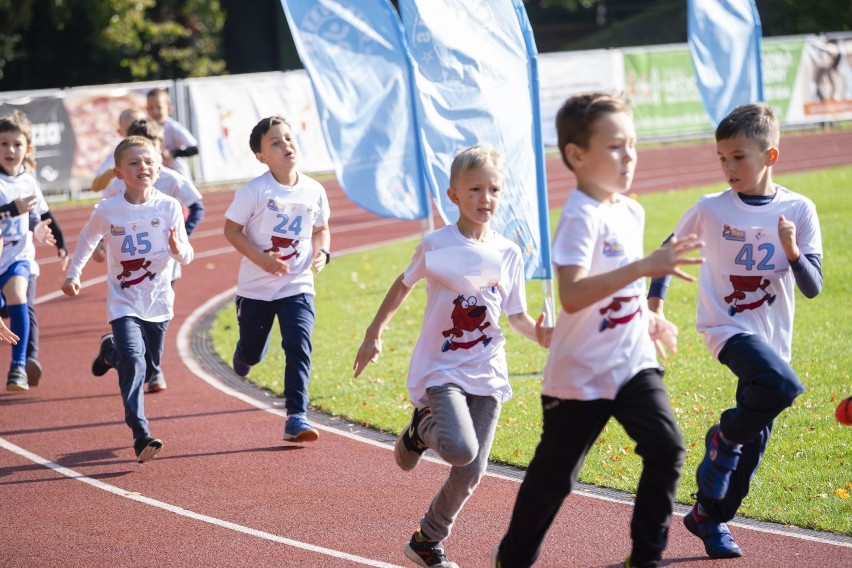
<point>70,473</point>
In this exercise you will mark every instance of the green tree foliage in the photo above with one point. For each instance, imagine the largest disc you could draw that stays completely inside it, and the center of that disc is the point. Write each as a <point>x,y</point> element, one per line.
<point>167,39</point>
<point>57,43</point>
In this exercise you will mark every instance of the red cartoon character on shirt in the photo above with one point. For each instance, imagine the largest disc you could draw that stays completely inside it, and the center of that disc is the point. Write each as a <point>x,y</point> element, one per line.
<point>467,318</point>
<point>620,310</point>
<point>282,244</point>
<point>131,266</point>
<point>749,294</point>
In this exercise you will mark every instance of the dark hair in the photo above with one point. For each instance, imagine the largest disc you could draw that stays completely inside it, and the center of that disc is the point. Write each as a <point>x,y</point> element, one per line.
<point>755,121</point>
<point>17,121</point>
<point>130,142</point>
<point>150,129</point>
<point>262,128</point>
<point>575,120</point>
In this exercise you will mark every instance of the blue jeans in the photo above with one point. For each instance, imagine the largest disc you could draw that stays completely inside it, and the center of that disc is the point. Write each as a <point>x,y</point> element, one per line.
<point>296,324</point>
<point>138,344</point>
<point>569,431</point>
<point>766,385</point>
<point>461,431</point>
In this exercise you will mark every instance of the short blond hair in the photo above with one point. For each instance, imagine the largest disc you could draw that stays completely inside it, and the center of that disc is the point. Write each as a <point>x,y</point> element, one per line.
<point>475,157</point>
<point>130,142</point>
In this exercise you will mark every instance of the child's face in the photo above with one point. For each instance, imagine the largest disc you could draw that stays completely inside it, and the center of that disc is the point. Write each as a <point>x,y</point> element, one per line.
<point>13,150</point>
<point>477,194</point>
<point>745,165</point>
<point>159,107</point>
<point>278,149</point>
<point>139,168</point>
<point>606,167</point>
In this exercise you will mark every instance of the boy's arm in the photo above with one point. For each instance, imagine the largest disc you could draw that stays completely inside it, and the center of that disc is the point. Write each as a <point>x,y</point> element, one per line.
<point>87,241</point>
<point>101,181</point>
<point>266,261</point>
<point>807,271</point>
<point>320,243</point>
<point>534,330</point>
<point>371,347</point>
<point>196,214</point>
<point>578,290</point>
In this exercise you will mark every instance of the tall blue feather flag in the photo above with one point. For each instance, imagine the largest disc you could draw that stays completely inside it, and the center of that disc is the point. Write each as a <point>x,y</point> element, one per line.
<point>724,40</point>
<point>356,57</point>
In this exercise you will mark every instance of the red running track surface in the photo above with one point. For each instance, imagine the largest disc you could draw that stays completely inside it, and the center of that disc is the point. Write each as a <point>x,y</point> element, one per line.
<point>226,491</point>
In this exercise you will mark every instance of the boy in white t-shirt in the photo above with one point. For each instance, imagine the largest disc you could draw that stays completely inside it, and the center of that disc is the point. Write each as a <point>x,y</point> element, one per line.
<point>602,363</point>
<point>144,235</point>
<point>763,241</point>
<point>178,142</point>
<point>174,185</point>
<point>457,378</point>
<point>279,223</point>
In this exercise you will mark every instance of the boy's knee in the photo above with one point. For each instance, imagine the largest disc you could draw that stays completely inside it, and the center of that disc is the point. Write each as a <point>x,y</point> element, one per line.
<point>458,455</point>
<point>773,389</point>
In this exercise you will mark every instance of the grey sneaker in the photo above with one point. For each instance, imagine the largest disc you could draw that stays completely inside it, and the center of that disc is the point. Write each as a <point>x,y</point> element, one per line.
<point>157,384</point>
<point>33,369</point>
<point>17,379</point>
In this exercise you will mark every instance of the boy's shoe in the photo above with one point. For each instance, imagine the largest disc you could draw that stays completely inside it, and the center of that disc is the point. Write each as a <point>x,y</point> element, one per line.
<point>16,380</point>
<point>714,471</point>
<point>409,445</point>
<point>718,542</point>
<point>157,384</point>
<point>647,564</point>
<point>146,448</point>
<point>33,368</point>
<point>427,553</point>
<point>100,365</point>
<point>298,429</point>
<point>240,368</point>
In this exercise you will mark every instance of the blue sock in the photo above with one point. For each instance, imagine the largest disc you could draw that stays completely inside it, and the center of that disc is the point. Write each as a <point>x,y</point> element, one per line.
<point>19,324</point>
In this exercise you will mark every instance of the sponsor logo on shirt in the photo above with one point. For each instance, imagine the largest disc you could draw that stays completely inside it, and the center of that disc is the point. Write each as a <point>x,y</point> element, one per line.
<point>733,234</point>
<point>116,231</point>
<point>274,205</point>
<point>613,248</point>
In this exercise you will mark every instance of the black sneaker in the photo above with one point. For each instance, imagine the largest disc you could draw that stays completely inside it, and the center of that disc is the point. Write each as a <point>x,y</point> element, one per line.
<point>146,448</point>
<point>33,369</point>
<point>428,554</point>
<point>629,563</point>
<point>409,445</point>
<point>100,365</point>
<point>16,380</point>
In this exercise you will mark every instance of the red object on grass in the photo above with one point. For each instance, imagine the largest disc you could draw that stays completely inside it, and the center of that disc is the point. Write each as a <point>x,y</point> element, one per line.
<point>844,411</point>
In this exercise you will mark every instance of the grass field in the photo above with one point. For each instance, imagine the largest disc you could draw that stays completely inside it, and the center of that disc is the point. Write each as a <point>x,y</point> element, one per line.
<point>806,476</point>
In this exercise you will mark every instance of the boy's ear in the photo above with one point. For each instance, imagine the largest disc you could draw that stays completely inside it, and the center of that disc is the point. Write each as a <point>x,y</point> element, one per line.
<point>451,193</point>
<point>259,157</point>
<point>771,156</point>
<point>574,154</point>
<point>117,173</point>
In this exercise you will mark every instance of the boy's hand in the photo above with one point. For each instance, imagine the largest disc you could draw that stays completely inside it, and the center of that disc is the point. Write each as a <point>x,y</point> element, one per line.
<point>7,335</point>
<point>64,259</point>
<point>26,204</point>
<point>543,334</point>
<point>318,262</point>
<point>71,286</point>
<point>787,236</point>
<point>663,334</point>
<point>42,233</point>
<point>368,353</point>
<point>668,258</point>
<point>174,241</point>
<point>274,265</point>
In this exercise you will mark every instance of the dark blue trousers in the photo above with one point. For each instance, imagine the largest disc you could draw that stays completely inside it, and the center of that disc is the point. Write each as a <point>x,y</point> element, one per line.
<point>766,385</point>
<point>296,323</point>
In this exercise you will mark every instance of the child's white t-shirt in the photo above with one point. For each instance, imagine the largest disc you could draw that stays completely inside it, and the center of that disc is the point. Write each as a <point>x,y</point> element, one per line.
<point>279,218</point>
<point>169,182</point>
<point>468,285</point>
<point>746,284</point>
<point>17,237</point>
<point>598,349</point>
<point>139,262</point>
<point>175,136</point>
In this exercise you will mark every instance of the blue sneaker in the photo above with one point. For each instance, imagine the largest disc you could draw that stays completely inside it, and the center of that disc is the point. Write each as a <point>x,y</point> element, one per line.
<point>714,471</point>
<point>298,429</point>
<point>718,542</point>
<point>240,368</point>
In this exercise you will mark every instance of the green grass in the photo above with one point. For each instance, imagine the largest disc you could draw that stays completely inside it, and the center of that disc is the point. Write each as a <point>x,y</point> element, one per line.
<point>806,476</point>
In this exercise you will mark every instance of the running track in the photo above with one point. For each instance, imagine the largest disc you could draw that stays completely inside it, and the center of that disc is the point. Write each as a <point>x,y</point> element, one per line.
<point>225,491</point>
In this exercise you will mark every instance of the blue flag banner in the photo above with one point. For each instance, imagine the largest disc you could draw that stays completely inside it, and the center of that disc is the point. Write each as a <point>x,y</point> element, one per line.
<point>356,57</point>
<point>724,40</point>
<point>473,77</point>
